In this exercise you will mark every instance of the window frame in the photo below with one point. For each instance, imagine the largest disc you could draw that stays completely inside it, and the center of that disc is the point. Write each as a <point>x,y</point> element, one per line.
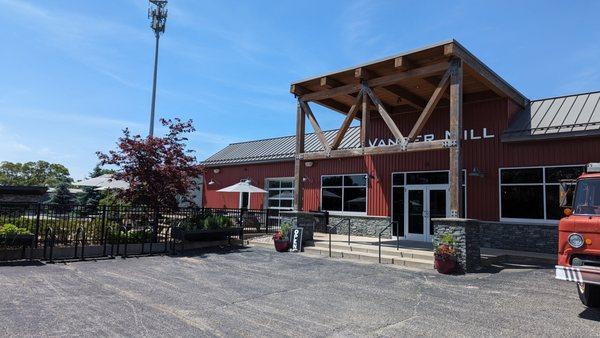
<point>267,198</point>
<point>543,184</point>
<point>392,185</point>
<point>345,213</point>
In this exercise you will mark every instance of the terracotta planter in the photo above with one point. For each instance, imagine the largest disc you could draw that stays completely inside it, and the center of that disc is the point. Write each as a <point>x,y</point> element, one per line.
<point>281,245</point>
<point>444,265</point>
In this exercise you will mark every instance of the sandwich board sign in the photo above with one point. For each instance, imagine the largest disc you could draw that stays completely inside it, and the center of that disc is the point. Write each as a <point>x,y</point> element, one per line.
<point>296,239</point>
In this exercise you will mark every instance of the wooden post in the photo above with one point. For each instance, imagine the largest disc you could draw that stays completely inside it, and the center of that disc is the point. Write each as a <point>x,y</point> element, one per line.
<point>456,128</point>
<point>298,164</point>
<point>364,120</point>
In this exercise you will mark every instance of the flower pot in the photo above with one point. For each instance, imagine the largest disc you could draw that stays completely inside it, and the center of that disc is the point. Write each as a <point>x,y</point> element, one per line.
<point>444,265</point>
<point>281,245</point>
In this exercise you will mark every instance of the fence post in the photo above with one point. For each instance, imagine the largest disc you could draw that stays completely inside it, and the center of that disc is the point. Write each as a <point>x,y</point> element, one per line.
<point>103,222</point>
<point>267,220</point>
<point>155,230</point>
<point>37,224</point>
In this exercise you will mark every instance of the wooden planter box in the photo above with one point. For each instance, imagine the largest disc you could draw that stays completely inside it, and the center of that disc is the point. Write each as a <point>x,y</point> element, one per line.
<point>218,235</point>
<point>205,235</point>
<point>17,240</point>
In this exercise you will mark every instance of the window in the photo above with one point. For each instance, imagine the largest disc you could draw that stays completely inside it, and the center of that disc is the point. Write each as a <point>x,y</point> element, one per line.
<point>533,193</point>
<point>347,193</point>
<point>280,193</point>
<point>587,197</point>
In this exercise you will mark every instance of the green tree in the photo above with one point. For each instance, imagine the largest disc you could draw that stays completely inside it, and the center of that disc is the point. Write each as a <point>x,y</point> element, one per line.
<point>62,198</point>
<point>33,173</point>
<point>99,171</point>
<point>89,200</point>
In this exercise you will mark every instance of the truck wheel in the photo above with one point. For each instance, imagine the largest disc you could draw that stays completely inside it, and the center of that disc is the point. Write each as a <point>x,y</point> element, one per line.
<point>589,294</point>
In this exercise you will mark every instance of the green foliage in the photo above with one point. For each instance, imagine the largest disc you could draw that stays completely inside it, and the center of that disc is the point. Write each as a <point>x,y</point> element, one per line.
<point>89,200</point>
<point>99,171</point>
<point>62,197</point>
<point>447,239</point>
<point>217,222</point>
<point>33,173</point>
<point>131,236</point>
<point>11,229</point>
<point>285,229</point>
<point>110,198</point>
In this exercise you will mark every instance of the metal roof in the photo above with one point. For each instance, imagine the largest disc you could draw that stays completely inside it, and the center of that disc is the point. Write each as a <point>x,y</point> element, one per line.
<point>558,117</point>
<point>278,149</point>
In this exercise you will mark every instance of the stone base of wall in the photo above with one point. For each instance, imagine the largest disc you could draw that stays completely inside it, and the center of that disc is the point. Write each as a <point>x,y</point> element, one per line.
<point>368,226</point>
<point>305,220</point>
<point>465,233</point>
<point>541,238</point>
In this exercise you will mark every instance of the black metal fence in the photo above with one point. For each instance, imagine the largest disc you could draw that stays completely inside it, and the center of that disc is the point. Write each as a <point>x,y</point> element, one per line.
<point>78,226</point>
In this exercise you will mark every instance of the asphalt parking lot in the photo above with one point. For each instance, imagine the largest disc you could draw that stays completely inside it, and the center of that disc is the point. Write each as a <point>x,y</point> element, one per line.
<point>257,292</point>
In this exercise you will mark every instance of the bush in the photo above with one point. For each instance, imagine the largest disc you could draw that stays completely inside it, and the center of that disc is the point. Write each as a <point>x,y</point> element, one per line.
<point>217,222</point>
<point>11,229</point>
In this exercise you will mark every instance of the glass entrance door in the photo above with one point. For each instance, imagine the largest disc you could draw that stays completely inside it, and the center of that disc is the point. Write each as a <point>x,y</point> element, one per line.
<point>422,203</point>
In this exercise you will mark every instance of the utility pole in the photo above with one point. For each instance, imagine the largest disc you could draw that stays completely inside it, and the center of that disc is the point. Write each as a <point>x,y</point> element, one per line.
<point>158,14</point>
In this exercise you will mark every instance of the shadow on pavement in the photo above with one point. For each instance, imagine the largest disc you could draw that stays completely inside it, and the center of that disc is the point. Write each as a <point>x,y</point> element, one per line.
<point>22,263</point>
<point>590,314</point>
<point>219,250</point>
<point>497,264</point>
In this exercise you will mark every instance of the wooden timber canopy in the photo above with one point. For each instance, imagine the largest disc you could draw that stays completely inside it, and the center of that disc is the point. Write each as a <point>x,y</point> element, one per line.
<point>405,82</point>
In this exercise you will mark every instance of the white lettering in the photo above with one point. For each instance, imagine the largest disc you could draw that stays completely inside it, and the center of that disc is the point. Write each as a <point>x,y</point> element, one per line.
<point>486,135</point>
<point>473,137</point>
<point>381,143</point>
<point>465,135</point>
<point>447,135</point>
<point>429,138</point>
<point>373,142</point>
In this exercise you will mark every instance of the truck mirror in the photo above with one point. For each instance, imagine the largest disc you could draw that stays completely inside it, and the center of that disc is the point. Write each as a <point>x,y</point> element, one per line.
<point>567,187</point>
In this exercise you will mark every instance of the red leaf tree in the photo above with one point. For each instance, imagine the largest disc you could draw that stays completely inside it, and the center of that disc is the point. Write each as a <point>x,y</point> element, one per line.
<point>158,169</point>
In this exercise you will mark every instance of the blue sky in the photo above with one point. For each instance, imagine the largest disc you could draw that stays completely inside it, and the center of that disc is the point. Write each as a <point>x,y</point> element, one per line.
<point>74,73</point>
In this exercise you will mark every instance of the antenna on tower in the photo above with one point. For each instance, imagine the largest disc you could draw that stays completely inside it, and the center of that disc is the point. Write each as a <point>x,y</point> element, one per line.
<point>158,16</point>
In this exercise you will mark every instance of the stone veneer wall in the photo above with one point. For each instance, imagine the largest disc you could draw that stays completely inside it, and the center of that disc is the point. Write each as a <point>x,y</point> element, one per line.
<point>368,226</point>
<point>466,235</point>
<point>521,237</point>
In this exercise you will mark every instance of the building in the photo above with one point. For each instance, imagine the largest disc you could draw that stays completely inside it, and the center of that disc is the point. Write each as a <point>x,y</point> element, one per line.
<point>439,135</point>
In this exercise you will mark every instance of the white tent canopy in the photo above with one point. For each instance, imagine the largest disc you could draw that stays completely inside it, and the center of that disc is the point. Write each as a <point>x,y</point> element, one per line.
<point>243,186</point>
<point>103,182</point>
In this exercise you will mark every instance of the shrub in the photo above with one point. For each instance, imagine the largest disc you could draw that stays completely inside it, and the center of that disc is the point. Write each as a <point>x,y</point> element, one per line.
<point>217,222</point>
<point>11,229</point>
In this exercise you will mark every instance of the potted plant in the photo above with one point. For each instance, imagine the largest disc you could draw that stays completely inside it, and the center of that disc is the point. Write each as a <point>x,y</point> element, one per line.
<point>445,255</point>
<point>281,239</point>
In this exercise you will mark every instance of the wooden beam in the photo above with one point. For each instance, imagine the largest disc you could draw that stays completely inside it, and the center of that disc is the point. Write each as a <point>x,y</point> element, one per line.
<point>425,71</point>
<point>405,96</point>
<point>315,125</point>
<point>298,90</point>
<point>484,74</point>
<point>298,164</point>
<point>455,165</point>
<point>346,124</point>
<point>384,115</point>
<point>382,150</point>
<point>334,105</point>
<point>380,81</point>
<point>433,101</point>
<point>363,74</point>
<point>329,82</point>
<point>364,121</point>
<point>403,63</point>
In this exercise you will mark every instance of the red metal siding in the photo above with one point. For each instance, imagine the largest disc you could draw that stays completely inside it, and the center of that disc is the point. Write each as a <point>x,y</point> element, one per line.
<point>486,154</point>
<point>229,175</point>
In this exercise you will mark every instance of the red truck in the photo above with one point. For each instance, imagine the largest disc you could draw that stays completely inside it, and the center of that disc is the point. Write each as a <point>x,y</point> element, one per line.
<point>579,235</point>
